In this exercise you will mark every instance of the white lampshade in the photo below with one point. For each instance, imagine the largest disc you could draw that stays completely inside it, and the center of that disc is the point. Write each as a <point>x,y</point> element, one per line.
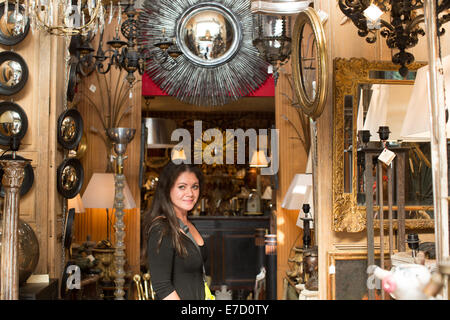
<point>267,195</point>
<point>387,107</point>
<point>299,192</point>
<point>159,132</point>
<point>100,192</point>
<point>259,159</point>
<point>416,126</point>
<point>76,203</point>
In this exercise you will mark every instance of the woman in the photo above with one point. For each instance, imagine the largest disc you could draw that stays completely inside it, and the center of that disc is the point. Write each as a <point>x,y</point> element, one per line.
<point>174,261</point>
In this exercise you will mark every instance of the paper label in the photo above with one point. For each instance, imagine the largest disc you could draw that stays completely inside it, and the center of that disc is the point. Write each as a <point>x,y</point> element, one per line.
<point>92,88</point>
<point>332,269</point>
<point>386,156</point>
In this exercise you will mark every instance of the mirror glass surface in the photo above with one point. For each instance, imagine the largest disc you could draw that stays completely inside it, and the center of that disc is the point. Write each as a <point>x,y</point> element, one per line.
<point>10,123</point>
<point>10,73</point>
<point>208,35</point>
<point>69,177</point>
<point>309,61</point>
<point>12,26</point>
<point>68,128</point>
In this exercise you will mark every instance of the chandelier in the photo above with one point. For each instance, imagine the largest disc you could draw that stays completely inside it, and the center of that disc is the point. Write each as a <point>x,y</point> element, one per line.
<point>122,54</point>
<point>401,31</point>
<point>60,17</point>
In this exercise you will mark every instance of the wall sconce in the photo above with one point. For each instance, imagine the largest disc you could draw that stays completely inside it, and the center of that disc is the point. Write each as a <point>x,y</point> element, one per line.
<point>272,30</point>
<point>401,32</point>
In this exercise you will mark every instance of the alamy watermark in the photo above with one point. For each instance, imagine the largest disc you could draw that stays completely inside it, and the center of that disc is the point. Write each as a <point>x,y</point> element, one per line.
<point>214,153</point>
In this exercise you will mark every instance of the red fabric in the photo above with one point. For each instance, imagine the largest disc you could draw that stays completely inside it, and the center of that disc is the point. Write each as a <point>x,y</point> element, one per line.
<point>149,88</point>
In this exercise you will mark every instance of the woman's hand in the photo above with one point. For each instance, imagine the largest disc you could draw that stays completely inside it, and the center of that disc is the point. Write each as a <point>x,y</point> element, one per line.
<point>172,296</point>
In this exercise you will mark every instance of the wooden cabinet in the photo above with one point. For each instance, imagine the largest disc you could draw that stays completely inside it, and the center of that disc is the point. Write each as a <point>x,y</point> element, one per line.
<point>233,258</point>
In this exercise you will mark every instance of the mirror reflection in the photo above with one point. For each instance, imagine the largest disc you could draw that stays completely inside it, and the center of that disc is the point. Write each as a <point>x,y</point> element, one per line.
<point>309,61</point>
<point>13,25</point>
<point>10,123</point>
<point>369,95</point>
<point>10,73</point>
<point>69,178</point>
<point>68,128</point>
<point>208,35</point>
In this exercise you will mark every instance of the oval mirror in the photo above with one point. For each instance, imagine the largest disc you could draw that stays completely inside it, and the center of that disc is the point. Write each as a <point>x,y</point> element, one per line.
<point>70,175</point>
<point>13,73</point>
<point>14,26</point>
<point>209,34</point>
<point>13,122</point>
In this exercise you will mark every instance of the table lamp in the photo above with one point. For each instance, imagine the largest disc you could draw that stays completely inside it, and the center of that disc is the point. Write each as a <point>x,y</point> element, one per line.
<point>258,160</point>
<point>299,193</point>
<point>99,194</point>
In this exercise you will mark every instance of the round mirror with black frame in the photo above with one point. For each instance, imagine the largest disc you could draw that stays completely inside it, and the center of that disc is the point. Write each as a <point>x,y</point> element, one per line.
<point>13,73</point>
<point>70,128</point>
<point>72,82</point>
<point>14,27</point>
<point>70,177</point>
<point>13,124</point>
<point>219,63</point>
<point>28,178</point>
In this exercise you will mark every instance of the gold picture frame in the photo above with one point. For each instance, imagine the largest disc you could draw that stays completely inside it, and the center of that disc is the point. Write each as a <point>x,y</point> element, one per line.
<point>348,216</point>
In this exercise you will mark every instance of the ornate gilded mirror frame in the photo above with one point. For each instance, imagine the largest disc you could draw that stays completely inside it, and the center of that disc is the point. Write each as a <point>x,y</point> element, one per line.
<point>348,74</point>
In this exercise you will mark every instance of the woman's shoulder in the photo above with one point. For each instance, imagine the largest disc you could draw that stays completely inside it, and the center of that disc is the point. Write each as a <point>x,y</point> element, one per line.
<point>158,224</point>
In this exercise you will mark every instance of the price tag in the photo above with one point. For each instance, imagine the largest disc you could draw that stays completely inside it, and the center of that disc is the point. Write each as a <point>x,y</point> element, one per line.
<point>92,88</point>
<point>91,258</point>
<point>386,156</point>
<point>332,269</point>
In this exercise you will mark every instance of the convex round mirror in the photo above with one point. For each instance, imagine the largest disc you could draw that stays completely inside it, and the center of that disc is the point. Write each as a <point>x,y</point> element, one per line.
<point>209,34</point>
<point>13,73</point>
<point>70,128</point>
<point>13,122</point>
<point>14,27</point>
<point>70,176</point>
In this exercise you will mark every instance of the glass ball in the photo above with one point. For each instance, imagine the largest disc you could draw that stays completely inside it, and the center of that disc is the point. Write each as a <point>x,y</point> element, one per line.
<point>28,254</point>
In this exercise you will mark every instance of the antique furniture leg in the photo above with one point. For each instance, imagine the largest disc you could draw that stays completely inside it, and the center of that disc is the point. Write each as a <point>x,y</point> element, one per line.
<point>381,211</point>
<point>369,213</point>
<point>400,160</point>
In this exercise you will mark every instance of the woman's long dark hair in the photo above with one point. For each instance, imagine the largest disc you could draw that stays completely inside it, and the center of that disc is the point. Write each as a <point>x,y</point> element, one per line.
<point>162,207</point>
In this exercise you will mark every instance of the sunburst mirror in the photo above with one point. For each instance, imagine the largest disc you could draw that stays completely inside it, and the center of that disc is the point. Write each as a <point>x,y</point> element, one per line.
<point>218,64</point>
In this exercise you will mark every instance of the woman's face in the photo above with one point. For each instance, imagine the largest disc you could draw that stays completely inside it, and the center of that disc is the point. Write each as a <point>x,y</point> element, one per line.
<point>185,192</point>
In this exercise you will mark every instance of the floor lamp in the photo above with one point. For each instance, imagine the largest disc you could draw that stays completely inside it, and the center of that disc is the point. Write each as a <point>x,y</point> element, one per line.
<point>99,194</point>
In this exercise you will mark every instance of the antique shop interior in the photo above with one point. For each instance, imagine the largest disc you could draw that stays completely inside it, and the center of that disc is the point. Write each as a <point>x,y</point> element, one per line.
<point>319,126</point>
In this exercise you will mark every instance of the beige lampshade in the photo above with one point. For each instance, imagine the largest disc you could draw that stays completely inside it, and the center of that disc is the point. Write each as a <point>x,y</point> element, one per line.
<point>259,159</point>
<point>178,154</point>
<point>76,203</point>
<point>100,192</point>
<point>416,125</point>
<point>299,192</point>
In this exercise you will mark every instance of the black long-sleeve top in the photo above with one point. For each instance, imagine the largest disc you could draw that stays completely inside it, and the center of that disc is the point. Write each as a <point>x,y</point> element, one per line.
<point>171,272</point>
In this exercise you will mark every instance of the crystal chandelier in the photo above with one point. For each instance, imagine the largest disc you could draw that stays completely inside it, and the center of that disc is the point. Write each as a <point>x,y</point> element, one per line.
<point>401,31</point>
<point>60,17</point>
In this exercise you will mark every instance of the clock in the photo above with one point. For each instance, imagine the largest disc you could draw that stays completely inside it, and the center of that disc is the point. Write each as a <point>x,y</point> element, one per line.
<point>310,63</point>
